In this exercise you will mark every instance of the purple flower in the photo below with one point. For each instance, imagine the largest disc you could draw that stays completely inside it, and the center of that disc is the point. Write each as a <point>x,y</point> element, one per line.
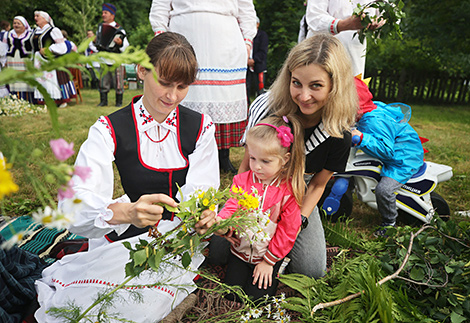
<point>83,172</point>
<point>61,149</point>
<point>66,191</point>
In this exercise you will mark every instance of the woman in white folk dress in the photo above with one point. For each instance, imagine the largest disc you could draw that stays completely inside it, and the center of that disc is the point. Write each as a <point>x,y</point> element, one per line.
<point>221,33</point>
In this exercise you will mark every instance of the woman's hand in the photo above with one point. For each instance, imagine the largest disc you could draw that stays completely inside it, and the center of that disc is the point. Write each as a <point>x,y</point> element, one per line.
<point>144,212</point>
<point>207,220</point>
<point>263,274</point>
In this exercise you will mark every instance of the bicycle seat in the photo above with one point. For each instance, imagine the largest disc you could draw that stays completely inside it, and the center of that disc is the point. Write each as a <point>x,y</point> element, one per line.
<point>420,171</point>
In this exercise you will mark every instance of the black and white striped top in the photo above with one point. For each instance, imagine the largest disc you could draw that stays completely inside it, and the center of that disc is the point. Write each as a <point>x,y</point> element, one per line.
<point>259,110</point>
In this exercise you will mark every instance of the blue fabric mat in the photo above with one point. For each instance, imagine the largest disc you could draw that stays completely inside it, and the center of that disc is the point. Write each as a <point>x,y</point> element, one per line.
<point>41,240</point>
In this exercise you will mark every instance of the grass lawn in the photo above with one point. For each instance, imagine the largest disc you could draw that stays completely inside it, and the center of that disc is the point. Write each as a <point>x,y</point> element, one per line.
<point>447,127</point>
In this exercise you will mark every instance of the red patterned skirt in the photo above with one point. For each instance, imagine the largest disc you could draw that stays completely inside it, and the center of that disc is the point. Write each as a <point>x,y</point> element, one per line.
<point>229,134</point>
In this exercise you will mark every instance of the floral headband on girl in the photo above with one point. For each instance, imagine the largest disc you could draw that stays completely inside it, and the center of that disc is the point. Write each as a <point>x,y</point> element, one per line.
<point>283,132</point>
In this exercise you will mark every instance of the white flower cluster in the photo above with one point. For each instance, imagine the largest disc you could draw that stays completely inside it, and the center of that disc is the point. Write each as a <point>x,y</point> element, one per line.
<point>273,310</point>
<point>258,232</point>
<point>54,218</point>
<point>13,106</point>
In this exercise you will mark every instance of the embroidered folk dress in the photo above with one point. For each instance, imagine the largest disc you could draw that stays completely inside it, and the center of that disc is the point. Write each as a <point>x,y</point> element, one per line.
<point>57,83</point>
<point>218,31</point>
<point>80,277</point>
<point>19,51</point>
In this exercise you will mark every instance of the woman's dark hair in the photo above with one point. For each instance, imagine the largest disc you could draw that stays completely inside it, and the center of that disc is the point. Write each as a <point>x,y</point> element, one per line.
<point>173,57</point>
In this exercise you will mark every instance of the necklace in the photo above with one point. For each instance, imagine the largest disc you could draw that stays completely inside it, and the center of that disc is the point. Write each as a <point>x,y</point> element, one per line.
<point>157,141</point>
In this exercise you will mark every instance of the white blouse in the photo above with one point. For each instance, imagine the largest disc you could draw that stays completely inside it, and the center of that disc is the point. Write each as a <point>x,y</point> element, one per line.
<point>162,11</point>
<point>158,148</point>
<point>322,13</point>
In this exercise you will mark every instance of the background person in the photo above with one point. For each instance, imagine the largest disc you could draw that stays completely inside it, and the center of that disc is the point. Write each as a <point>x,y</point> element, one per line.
<point>156,144</point>
<point>257,63</point>
<point>222,34</point>
<point>335,17</point>
<point>5,27</point>
<point>19,50</point>
<point>57,83</point>
<point>115,78</point>
<point>95,66</point>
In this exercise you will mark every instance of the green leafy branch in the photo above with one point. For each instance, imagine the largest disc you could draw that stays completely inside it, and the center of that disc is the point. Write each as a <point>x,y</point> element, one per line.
<point>182,242</point>
<point>71,60</point>
<point>390,11</point>
<point>413,275</point>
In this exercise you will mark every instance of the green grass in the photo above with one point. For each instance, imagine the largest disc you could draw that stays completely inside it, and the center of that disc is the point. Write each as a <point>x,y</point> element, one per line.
<point>447,127</point>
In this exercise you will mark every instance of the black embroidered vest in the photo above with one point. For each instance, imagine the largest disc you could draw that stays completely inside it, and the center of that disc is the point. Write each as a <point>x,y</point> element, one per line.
<point>138,179</point>
<point>23,45</point>
<point>42,40</point>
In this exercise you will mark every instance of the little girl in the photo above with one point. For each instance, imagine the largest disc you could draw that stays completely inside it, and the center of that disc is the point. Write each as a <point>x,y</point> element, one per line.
<point>276,151</point>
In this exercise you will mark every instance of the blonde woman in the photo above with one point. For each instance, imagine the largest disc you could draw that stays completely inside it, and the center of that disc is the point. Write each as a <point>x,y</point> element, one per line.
<point>314,83</point>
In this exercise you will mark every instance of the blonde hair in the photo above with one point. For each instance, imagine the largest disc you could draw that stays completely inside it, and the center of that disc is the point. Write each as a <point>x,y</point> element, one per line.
<point>326,51</point>
<point>295,167</point>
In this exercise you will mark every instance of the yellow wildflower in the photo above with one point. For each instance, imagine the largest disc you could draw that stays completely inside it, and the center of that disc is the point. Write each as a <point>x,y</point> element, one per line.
<point>234,189</point>
<point>7,186</point>
<point>205,202</point>
<point>212,207</point>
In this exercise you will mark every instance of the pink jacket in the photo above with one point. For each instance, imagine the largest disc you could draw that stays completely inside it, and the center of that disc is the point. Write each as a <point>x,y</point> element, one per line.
<point>284,218</point>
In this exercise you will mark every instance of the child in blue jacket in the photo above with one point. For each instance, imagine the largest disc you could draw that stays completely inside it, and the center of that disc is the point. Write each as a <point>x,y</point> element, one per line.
<point>386,134</point>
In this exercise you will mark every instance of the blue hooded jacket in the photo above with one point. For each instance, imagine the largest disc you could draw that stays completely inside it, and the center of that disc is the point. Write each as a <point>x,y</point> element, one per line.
<point>388,136</point>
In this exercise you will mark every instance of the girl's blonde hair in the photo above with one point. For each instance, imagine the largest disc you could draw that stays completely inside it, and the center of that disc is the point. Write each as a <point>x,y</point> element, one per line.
<point>324,50</point>
<point>268,136</point>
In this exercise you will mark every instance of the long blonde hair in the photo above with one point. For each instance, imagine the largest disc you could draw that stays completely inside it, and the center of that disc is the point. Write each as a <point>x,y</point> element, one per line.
<point>324,50</point>
<point>295,167</point>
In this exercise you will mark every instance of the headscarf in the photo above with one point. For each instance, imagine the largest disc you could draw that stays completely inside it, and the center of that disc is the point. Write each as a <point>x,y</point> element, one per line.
<point>109,7</point>
<point>46,16</point>
<point>23,21</point>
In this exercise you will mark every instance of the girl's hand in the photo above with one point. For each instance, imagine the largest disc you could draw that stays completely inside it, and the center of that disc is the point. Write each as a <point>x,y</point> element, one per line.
<point>233,239</point>
<point>263,274</point>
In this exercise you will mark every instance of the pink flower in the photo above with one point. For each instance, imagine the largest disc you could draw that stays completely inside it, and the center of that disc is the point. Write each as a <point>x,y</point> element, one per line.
<point>285,136</point>
<point>83,172</point>
<point>66,191</point>
<point>61,149</point>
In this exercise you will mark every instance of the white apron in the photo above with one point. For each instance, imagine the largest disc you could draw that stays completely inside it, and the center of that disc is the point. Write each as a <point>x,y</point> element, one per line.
<point>220,89</point>
<point>80,277</point>
<point>48,81</point>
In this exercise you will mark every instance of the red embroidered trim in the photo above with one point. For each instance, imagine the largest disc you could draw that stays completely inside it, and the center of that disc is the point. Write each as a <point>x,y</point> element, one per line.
<point>215,82</point>
<point>106,283</point>
<point>332,27</point>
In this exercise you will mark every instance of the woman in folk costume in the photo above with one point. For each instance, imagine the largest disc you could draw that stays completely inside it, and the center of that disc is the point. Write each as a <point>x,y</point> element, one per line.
<point>156,145</point>
<point>19,51</point>
<point>222,34</point>
<point>47,36</point>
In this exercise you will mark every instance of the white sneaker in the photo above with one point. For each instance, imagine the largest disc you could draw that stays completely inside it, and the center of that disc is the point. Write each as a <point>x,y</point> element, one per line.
<point>63,105</point>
